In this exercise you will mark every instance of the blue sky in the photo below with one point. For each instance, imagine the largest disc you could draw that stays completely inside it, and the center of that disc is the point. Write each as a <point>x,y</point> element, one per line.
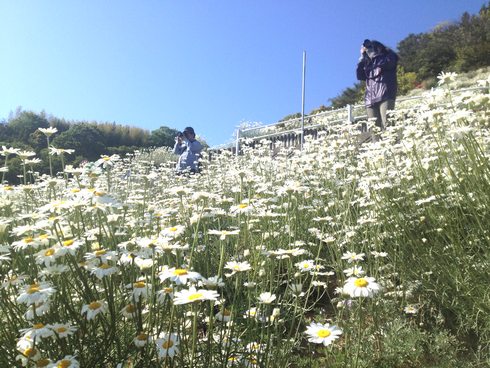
<point>210,64</point>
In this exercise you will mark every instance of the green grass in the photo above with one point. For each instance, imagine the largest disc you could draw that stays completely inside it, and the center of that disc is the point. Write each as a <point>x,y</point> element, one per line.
<point>413,209</point>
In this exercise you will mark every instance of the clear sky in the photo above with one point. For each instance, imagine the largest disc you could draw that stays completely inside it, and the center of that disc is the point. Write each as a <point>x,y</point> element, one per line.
<point>210,64</point>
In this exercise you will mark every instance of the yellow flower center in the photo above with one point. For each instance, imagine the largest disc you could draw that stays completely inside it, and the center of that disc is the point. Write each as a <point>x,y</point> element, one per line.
<point>104,266</point>
<point>43,236</point>
<point>106,158</point>
<point>173,229</point>
<point>42,363</point>
<point>61,330</point>
<point>180,272</point>
<point>49,252</point>
<point>75,190</point>
<point>30,352</point>
<point>168,344</point>
<point>8,187</point>
<point>28,240</point>
<point>37,326</point>
<point>130,308</point>
<point>226,312</point>
<point>34,288</point>
<point>68,242</point>
<point>139,284</point>
<point>168,290</point>
<point>362,282</point>
<point>142,337</point>
<point>65,363</point>
<point>195,296</point>
<point>94,305</point>
<point>323,333</point>
<point>99,194</point>
<point>242,205</point>
<point>99,253</point>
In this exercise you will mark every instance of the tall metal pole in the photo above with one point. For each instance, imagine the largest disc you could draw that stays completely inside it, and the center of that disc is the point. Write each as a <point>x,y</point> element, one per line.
<point>303,101</point>
<point>237,143</point>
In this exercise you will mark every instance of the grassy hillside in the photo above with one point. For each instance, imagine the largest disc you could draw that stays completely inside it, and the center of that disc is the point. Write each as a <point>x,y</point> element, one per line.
<point>342,255</point>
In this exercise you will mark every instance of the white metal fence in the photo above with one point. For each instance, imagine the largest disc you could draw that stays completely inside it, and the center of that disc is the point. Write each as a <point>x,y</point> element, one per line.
<point>314,122</point>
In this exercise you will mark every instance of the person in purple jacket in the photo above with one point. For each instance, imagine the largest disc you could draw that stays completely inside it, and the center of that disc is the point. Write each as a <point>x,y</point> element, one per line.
<point>377,66</point>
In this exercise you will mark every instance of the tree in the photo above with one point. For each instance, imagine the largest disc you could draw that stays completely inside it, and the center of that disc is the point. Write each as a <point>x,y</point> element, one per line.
<point>84,138</point>
<point>409,49</point>
<point>349,96</point>
<point>24,124</point>
<point>291,116</point>
<point>163,136</point>
<point>473,48</point>
<point>320,109</point>
<point>406,81</point>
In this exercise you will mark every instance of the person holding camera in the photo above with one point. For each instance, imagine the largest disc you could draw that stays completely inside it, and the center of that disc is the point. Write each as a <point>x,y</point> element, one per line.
<point>377,66</point>
<point>189,150</point>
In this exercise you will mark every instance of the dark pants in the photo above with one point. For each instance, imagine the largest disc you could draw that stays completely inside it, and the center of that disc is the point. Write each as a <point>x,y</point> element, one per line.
<point>378,111</point>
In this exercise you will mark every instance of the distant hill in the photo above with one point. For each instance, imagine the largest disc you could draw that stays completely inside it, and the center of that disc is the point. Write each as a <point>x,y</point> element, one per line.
<point>90,140</point>
<point>461,46</point>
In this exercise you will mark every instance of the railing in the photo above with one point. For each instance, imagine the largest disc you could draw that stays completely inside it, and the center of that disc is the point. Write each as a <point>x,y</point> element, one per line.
<point>314,122</point>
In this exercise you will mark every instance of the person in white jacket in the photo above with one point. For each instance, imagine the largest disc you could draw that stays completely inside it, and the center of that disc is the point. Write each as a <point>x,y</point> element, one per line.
<point>189,150</point>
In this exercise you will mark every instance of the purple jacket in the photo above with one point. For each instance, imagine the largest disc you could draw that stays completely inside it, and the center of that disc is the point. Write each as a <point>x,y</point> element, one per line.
<point>380,76</point>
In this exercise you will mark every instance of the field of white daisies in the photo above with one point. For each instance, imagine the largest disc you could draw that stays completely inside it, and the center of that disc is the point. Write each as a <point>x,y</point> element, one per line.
<point>340,255</point>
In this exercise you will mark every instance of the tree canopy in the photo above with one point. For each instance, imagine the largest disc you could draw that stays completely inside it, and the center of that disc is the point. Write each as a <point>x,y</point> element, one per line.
<point>88,139</point>
<point>460,46</point>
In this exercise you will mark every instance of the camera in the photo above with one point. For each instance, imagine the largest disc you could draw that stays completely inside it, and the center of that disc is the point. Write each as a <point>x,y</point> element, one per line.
<point>367,44</point>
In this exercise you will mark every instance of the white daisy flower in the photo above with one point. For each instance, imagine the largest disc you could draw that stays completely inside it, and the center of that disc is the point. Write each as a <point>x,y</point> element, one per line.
<point>140,289</point>
<point>48,131</point>
<point>67,362</point>
<point>167,345</point>
<point>306,265</point>
<point>36,293</point>
<point>325,334</point>
<point>192,295</point>
<point>223,233</point>
<point>102,270</point>
<point>63,329</point>
<point>353,257</point>
<point>180,276</point>
<point>37,331</point>
<point>237,267</point>
<point>411,309</point>
<point>224,315</point>
<point>94,308</point>
<point>164,293</point>
<point>266,298</point>
<point>354,271</point>
<point>361,287</point>
<point>141,340</point>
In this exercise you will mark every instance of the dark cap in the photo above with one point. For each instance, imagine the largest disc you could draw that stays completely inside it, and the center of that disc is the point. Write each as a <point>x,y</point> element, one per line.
<point>189,130</point>
<point>367,43</point>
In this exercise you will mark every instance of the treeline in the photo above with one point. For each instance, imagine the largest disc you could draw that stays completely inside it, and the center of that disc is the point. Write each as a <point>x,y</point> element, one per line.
<point>460,47</point>
<point>90,140</point>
